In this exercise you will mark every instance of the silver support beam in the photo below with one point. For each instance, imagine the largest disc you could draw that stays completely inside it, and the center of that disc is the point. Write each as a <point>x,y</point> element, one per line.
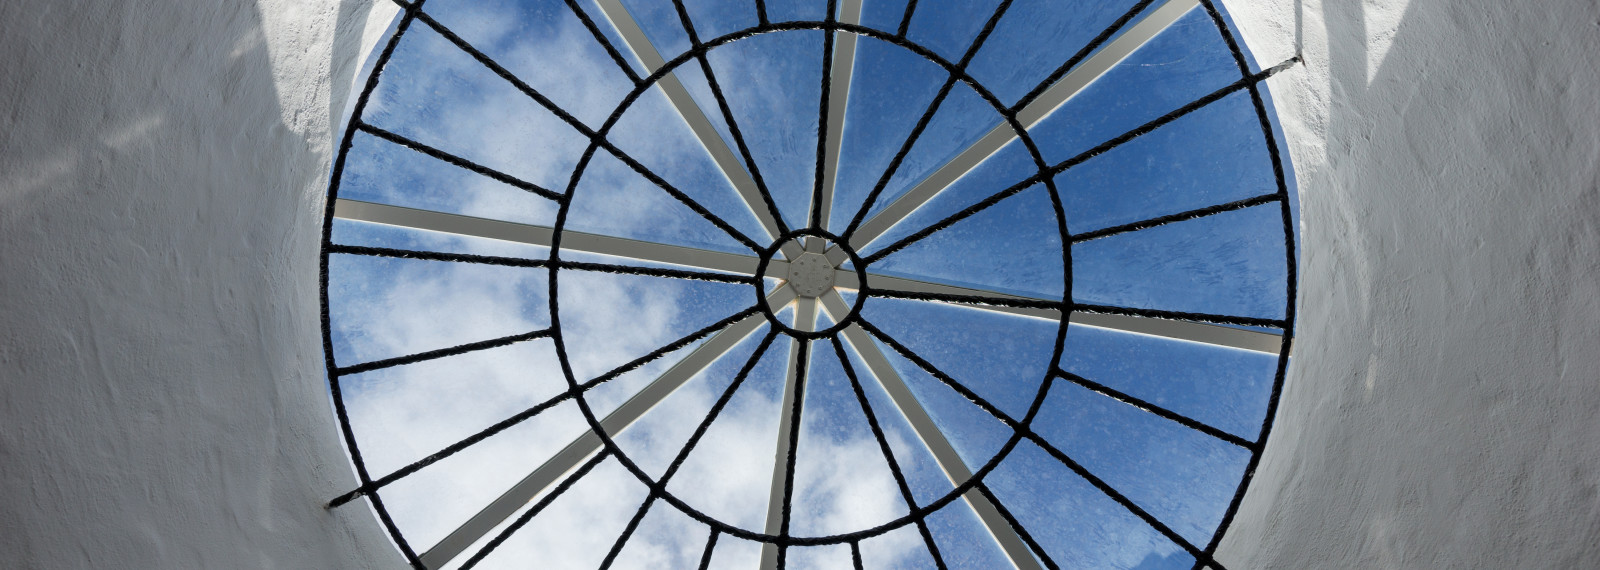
<point>840,74</point>
<point>588,444</point>
<point>1051,99</point>
<point>1217,335</point>
<point>541,236</point>
<point>703,129</point>
<point>719,261</point>
<point>1230,337</point>
<point>944,453</point>
<point>805,318</point>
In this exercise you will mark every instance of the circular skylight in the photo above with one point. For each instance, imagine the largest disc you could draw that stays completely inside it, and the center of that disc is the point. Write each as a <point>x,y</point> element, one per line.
<point>717,284</point>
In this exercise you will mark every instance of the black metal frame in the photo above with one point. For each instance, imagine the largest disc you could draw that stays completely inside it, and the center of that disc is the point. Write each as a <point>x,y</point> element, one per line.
<point>412,13</point>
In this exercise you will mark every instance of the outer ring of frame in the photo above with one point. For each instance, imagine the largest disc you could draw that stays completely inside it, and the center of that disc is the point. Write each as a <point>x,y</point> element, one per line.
<point>766,308</point>
<point>915,515</point>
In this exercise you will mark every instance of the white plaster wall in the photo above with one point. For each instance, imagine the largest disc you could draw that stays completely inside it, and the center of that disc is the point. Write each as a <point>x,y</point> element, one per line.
<point>1443,408</point>
<point>162,165</point>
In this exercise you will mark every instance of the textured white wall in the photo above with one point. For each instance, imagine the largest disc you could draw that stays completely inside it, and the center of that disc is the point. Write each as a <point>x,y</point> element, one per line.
<point>162,165</point>
<point>1443,409</point>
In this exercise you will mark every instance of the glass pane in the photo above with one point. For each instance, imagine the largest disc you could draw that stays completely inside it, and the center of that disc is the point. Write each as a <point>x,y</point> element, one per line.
<point>1037,36</point>
<point>613,200</point>
<point>436,500</point>
<point>737,451</point>
<point>948,27</point>
<point>1182,477</point>
<point>890,89</point>
<point>609,319</point>
<point>451,102</point>
<point>376,170</point>
<point>385,307</point>
<point>842,481</point>
<point>546,46</point>
<point>1212,156</point>
<point>1179,65</point>
<point>405,413</point>
<point>1224,388</point>
<point>1052,502</point>
<point>1013,247</point>
<point>1229,264</point>
<point>775,104</point>
<point>580,526</point>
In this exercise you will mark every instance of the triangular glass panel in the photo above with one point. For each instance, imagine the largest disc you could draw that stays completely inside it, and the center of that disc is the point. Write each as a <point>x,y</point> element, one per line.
<point>776,104</point>
<point>890,88</point>
<point>653,133</point>
<point>842,481</point>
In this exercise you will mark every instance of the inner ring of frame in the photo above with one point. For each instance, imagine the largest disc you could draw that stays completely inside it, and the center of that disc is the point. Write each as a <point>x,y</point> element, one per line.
<point>917,514</point>
<point>771,313</point>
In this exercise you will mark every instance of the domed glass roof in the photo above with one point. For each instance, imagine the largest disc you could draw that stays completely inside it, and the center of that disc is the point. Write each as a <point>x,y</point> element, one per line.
<point>808,284</point>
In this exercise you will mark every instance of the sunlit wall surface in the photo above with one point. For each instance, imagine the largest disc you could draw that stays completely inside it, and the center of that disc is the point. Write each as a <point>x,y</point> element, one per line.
<point>566,321</point>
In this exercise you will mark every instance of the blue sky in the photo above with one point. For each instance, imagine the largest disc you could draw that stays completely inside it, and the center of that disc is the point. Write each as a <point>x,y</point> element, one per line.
<point>1231,264</point>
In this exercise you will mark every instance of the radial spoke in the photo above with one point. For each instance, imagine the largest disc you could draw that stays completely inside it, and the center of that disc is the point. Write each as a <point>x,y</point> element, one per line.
<point>653,252</point>
<point>1181,316</point>
<point>1039,108</point>
<point>655,272</point>
<point>1173,218</point>
<point>600,37</point>
<point>839,68</point>
<point>711,546</point>
<point>1243,339</point>
<point>755,198</point>
<point>944,453</point>
<point>1180,419</point>
<point>980,300</point>
<point>440,353</point>
<point>781,492</point>
<point>589,443</point>
<point>457,161</point>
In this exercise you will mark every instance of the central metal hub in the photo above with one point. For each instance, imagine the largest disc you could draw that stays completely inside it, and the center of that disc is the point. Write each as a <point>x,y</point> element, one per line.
<point>811,274</point>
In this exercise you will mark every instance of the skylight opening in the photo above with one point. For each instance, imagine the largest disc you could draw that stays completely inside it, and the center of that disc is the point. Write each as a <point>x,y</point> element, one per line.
<point>617,284</point>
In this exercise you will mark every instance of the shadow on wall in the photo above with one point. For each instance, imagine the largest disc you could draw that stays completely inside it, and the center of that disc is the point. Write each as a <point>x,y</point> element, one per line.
<point>161,398</point>
<point>1444,401</point>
